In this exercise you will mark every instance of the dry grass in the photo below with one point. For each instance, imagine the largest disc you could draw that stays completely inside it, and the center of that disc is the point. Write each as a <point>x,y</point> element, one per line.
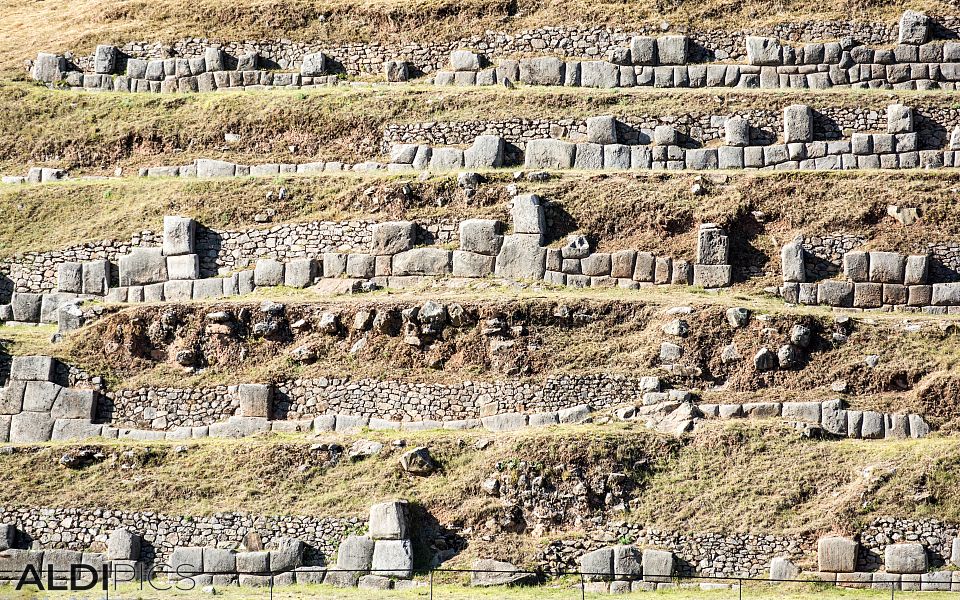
<point>78,26</point>
<point>747,477</point>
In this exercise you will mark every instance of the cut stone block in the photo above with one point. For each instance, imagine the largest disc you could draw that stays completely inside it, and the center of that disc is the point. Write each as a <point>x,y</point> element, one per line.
<point>26,307</point>
<point>73,403</point>
<point>597,565</point>
<point>255,399</point>
<point>186,266</point>
<point>471,264</point>
<point>765,51</point>
<point>392,237</point>
<point>672,49</point>
<point>549,154</point>
<point>521,257</point>
<point>486,152</point>
<point>712,276</point>
<point>887,267</point>
<point>791,260</point>
<point>123,544</point>
<point>602,130</point>
<point>268,273</point>
<point>423,261</point>
<point>544,70</point>
<point>481,236</point>
<point>797,123</point>
<point>657,565</point>
<point>96,277</point>
<point>389,521</point>
<point>837,554</point>
<point>31,428</point>
<point>179,235</point>
<point>313,65</point>
<point>143,266</point>
<point>298,272</point>
<point>70,277</point>
<point>905,558</point>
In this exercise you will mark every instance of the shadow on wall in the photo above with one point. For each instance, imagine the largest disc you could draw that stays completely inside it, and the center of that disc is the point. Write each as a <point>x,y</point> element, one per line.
<point>748,260</point>
<point>208,246</point>
<point>931,134</point>
<point>6,289</point>
<point>433,543</point>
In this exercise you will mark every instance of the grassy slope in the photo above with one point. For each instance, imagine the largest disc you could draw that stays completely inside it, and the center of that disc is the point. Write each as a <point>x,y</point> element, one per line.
<point>29,27</point>
<point>731,477</point>
<point>99,132</point>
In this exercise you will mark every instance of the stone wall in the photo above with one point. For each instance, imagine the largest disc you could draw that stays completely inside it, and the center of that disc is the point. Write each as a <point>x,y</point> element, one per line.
<point>219,251</point>
<point>933,125</point>
<point>824,256</point>
<point>77,529</point>
<point>166,408</point>
<point>357,58</point>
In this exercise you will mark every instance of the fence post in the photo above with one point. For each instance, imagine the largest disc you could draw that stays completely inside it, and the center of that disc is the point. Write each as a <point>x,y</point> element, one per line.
<point>740,588</point>
<point>271,586</point>
<point>583,588</point>
<point>431,583</point>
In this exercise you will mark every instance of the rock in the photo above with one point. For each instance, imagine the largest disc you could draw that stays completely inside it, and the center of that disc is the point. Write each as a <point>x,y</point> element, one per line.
<point>389,521</point>
<point>657,565</point>
<point>178,235</point>
<point>480,236</point>
<point>48,68</point>
<point>905,558</point>
<point>549,154</point>
<point>464,60</point>
<point>643,50</point>
<point>791,261</point>
<point>887,267</point>
<point>789,357</point>
<point>597,565</point>
<point>297,272</point>
<point>418,462</point>
<point>736,132</point>
<point>783,569</point>
<point>313,65</point>
<point>423,261</point>
<point>486,572</point>
<point>765,51</point>
<point>738,317</point>
<point>143,266</point>
<point>526,212</point>
<point>602,130</point>
<point>393,558</point>
<point>268,273</point>
<point>677,327</point>
<point>362,449</point>
<point>801,336</point>
<point>670,353</point>
<point>545,70</point>
<point>486,152</point>
<point>255,399</point>
<point>396,70</point>
<point>392,237</point>
<point>354,557</point>
<point>899,119</point>
<point>730,354</point>
<point>837,554</point>
<point>521,257</point>
<point>577,247</point>
<point>627,563</point>
<point>105,60</point>
<point>765,360</point>
<point>32,368</point>
<point>797,123</point>
<point>374,582</point>
<point>672,49</point>
<point>285,554</point>
<point>914,28</point>
<point>69,277</point>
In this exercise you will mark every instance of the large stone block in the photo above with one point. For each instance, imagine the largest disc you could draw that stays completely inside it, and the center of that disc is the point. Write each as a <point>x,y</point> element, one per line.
<point>207,168</point>
<point>916,269</point>
<point>298,272</point>
<point>887,267</point>
<point>286,553</point>
<point>867,295</point>
<point>31,428</point>
<point>471,264</point>
<point>50,305</point>
<point>95,276</point>
<point>643,50</point>
<point>105,60</point>
<point>185,561</point>
<point>946,294</point>
<point>597,565</point>
<point>521,257</point>
<point>602,130</point>
<point>481,236</point>
<point>544,70</point>
<point>178,235</point>
<point>354,558</point>
<point>464,60</point>
<point>856,266</point>
<point>549,154</point>
<point>123,544</point>
<point>486,152</point>
<point>899,119</point>
<point>599,74</point>
<point>657,565</point>
<point>73,403</point>
<point>527,216</point>
<point>627,563</point>
<point>143,266</point>
<point>765,51</point>
<point>70,277</point>
<point>712,276</point>
<point>905,558</point>
<point>313,65</point>
<point>446,159</point>
<point>392,237</point>
<point>837,554</point>
<point>588,157</point>
<point>672,49</point>
<point>268,272</point>
<point>213,58</point>
<point>791,260</point>
<point>172,291</point>
<point>797,123</point>
<point>32,368</point>
<point>257,563</point>
<point>48,68</point>
<point>393,558</point>
<point>835,293</point>
<point>40,396</point>
<point>219,560</point>
<point>186,266</point>
<point>736,132</point>
<point>362,266</point>
<point>389,521</point>
<point>914,28</point>
<point>422,261</point>
<point>11,398</point>
<point>783,569</point>
<point>26,307</point>
<point>204,288</point>
<point>255,399</point>
<point>713,246</point>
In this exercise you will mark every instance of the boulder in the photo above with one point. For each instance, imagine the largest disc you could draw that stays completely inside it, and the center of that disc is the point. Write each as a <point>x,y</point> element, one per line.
<point>672,49</point>
<point>70,278</point>
<point>765,51</point>
<point>797,123</point>
<point>255,399</point>
<point>914,28</point>
<point>602,130</point>
<point>313,65</point>
<point>178,235</point>
<point>32,368</point>
<point>123,544</point>
<point>422,261</point>
<point>791,261</point>
<point>392,237</point>
<point>521,257</point>
<point>418,462</point>
<point>143,266</point>
<point>837,554</point>
<point>597,565</point>
<point>393,558</point>
<point>481,236</point>
<point>389,521</point>
<point>657,565</point>
<point>486,152</point>
<point>544,70</point>
<point>464,60</point>
<point>487,572</point>
<point>549,154</point>
<point>905,558</point>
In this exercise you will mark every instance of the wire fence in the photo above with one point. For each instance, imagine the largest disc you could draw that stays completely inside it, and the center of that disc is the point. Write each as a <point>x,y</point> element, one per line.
<point>108,578</point>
